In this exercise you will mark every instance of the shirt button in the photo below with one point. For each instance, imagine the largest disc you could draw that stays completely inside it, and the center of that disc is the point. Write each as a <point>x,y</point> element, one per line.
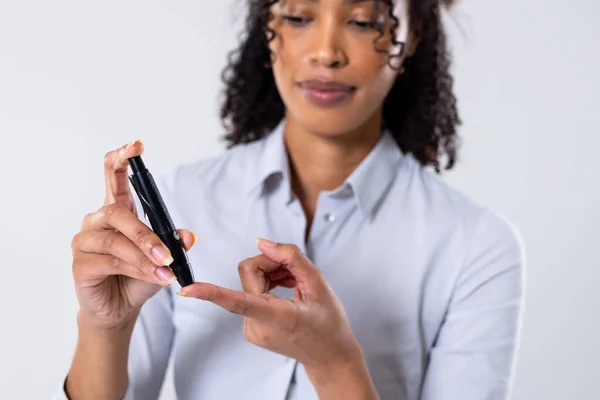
<point>329,218</point>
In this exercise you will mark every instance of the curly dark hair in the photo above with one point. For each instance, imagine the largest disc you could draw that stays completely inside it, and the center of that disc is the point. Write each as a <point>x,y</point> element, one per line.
<point>420,110</point>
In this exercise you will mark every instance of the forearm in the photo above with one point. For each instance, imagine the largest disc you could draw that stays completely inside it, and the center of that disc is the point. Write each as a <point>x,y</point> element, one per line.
<point>350,381</point>
<point>99,367</point>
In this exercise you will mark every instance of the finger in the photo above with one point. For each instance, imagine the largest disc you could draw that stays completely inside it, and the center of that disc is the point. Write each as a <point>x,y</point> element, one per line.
<point>260,307</point>
<point>188,238</point>
<point>286,282</point>
<point>279,273</point>
<point>119,247</point>
<point>117,188</point>
<point>118,217</point>
<point>89,267</point>
<point>306,273</point>
<point>253,273</point>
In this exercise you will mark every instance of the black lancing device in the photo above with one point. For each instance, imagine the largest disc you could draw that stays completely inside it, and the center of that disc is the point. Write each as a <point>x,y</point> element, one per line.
<point>160,220</point>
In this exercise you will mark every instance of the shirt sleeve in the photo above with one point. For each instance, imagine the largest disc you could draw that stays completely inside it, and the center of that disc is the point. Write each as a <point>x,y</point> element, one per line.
<point>150,347</point>
<point>473,355</point>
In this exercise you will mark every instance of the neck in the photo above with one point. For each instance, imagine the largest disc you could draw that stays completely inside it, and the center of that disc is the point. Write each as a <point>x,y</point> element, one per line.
<point>322,163</point>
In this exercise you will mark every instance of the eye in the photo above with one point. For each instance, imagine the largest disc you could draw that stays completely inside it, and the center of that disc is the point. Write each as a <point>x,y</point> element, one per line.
<point>295,21</point>
<point>368,25</point>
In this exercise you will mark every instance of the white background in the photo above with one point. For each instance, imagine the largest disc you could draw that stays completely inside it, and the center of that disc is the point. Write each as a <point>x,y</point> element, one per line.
<point>80,78</point>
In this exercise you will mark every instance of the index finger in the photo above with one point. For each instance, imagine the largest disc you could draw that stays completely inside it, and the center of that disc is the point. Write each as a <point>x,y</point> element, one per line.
<point>116,216</point>
<point>117,188</point>
<point>263,307</point>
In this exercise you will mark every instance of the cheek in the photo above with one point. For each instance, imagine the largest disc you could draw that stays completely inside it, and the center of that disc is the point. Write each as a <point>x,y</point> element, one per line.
<point>280,79</point>
<point>384,85</point>
<point>377,75</point>
<point>287,63</point>
<point>281,73</point>
<point>376,65</point>
<point>287,50</point>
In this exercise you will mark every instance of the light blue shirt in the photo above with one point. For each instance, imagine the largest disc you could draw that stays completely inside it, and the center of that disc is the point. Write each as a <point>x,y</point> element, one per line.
<point>432,283</point>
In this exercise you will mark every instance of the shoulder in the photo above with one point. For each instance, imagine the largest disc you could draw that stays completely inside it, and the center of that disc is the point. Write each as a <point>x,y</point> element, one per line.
<point>481,227</point>
<point>476,245</point>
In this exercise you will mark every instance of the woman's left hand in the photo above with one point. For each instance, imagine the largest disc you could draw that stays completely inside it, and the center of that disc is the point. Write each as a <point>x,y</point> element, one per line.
<point>312,328</point>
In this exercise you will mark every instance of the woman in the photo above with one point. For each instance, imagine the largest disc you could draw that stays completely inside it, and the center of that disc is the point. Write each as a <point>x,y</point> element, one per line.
<point>376,280</point>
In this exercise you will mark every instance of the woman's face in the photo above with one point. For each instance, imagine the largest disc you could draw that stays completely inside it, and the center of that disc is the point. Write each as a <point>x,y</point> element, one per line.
<point>326,67</point>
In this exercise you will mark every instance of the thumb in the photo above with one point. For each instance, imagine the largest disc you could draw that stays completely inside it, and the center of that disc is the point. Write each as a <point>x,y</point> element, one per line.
<point>188,238</point>
<point>294,259</point>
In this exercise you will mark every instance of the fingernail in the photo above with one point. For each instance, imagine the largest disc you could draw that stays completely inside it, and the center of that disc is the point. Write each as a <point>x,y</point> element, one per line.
<point>162,255</point>
<point>166,275</point>
<point>183,294</point>
<point>195,237</point>
<point>265,242</point>
<point>131,144</point>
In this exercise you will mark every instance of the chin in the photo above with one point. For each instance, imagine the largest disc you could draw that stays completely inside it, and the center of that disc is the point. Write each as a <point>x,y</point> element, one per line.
<point>331,127</point>
<point>328,122</point>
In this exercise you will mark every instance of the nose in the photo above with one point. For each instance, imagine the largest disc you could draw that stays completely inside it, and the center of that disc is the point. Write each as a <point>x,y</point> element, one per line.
<point>327,50</point>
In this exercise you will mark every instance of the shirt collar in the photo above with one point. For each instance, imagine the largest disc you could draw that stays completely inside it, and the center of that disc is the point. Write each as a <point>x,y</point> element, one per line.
<point>368,182</point>
<point>273,160</point>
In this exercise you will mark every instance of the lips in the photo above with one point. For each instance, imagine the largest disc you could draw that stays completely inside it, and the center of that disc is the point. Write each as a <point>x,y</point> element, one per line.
<point>327,86</point>
<point>326,93</point>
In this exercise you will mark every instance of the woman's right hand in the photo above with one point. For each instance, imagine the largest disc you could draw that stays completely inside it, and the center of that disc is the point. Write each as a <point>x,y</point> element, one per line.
<point>118,262</point>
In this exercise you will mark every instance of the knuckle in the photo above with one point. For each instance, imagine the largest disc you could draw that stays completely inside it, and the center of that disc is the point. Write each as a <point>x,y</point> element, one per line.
<point>295,252</point>
<point>214,294</point>
<point>145,264</point>
<point>143,236</point>
<point>108,158</point>
<point>132,270</point>
<point>115,262</point>
<point>87,219</point>
<point>75,241</point>
<point>111,211</point>
<point>107,239</point>
<point>240,307</point>
<point>244,266</point>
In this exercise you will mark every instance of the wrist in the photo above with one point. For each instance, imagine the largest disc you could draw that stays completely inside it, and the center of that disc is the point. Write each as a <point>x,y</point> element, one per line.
<point>111,341</point>
<point>346,377</point>
<point>101,357</point>
<point>90,323</point>
<point>335,370</point>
